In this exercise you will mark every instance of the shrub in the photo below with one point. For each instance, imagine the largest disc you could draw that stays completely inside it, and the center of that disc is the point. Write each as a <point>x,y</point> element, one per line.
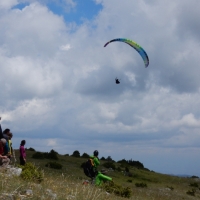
<point>129,181</point>
<point>109,165</point>
<point>194,177</point>
<point>191,192</point>
<point>51,155</point>
<point>38,155</point>
<point>132,163</point>
<point>118,190</point>
<point>194,185</point>
<point>85,155</point>
<point>76,154</point>
<point>142,185</point>
<point>109,158</point>
<point>54,165</point>
<point>31,173</point>
<point>31,149</point>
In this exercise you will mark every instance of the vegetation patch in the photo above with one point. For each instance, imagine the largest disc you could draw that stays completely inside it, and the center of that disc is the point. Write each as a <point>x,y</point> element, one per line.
<point>31,173</point>
<point>191,192</point>
<point>142,185</point>
<point>194,185</point>
<point>118,190</point>
<point>54,165</point>
<point>38,155</point>
<point>53,155</point>
<point>109,165</point>
<point>170,187</point>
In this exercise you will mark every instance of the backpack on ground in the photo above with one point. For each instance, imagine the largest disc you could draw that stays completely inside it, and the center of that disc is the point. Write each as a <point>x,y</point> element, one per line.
<point>89,169</point>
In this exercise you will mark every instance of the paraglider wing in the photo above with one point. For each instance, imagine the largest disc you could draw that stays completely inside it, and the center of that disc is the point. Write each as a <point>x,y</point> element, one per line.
<point>136,46</point>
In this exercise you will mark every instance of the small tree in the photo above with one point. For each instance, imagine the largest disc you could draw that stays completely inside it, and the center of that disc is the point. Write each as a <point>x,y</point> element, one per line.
<point>109,158</point>
<point>76,154</point>
<point>38,155</point>
<point>52,155</point>
<point>85,155</point>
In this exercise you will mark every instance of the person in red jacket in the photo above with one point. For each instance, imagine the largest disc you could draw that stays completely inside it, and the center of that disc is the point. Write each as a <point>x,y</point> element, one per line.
<point>22,153</point>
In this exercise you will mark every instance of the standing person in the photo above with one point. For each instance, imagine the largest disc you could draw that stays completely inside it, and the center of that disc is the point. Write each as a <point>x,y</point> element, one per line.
<point>22,153</point>
<point>10,153</point>
<point>4,160</point>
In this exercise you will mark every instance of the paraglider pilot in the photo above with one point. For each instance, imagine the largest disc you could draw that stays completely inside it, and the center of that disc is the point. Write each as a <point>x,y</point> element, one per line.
<point>117,81</point>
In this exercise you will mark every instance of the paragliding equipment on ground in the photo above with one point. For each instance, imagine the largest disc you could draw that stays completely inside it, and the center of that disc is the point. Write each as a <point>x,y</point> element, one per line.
<point>136,46</point>
<point>117,81</point>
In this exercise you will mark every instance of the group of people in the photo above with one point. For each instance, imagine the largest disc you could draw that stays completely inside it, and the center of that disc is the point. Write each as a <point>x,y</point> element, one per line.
<point>6,150</point>
<point>7,153</point>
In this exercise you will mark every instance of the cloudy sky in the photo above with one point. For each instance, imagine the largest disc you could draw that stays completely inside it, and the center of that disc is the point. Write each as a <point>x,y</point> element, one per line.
<point>58,86</point>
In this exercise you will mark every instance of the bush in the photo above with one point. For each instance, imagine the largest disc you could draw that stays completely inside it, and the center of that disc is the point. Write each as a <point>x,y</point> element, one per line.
<point>118,190</point>
<point>76,154</point>
<point>129,181</point>
<point>109,165</point>
<point>132,163</point>
<point>194,185</point>
<point>54,165</point>
<point>38,155</point>
<point>191,192</point>
<point>31,149</point>
<point>85,155</point>
<point>51,155</point>
<point>142,185</point>
<point>194,177</point>
<point>31,173</point>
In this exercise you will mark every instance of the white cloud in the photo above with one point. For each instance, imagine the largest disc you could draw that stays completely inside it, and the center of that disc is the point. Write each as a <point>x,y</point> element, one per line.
<point>7,4</point>
<point>65,47</point>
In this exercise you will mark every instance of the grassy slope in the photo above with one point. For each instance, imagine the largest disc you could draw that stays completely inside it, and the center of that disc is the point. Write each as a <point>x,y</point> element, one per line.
<point>158,185</point>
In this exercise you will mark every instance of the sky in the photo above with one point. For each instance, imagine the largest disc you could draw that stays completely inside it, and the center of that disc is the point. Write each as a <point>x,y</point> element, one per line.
<point>58,86</point>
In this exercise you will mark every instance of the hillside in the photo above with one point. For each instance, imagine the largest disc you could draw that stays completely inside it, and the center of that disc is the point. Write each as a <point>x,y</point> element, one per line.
<point>144,184</point>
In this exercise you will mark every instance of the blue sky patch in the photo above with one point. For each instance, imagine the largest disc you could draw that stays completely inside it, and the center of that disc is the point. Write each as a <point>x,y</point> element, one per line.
<point>84,9</point>
<point>20,6</point>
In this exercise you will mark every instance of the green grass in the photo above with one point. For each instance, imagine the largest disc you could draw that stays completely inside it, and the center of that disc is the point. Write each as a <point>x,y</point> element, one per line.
<point>66,183</point>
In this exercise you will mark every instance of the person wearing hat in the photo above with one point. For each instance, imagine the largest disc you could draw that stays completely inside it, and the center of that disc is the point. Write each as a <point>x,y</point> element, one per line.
<point>4,160</point>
